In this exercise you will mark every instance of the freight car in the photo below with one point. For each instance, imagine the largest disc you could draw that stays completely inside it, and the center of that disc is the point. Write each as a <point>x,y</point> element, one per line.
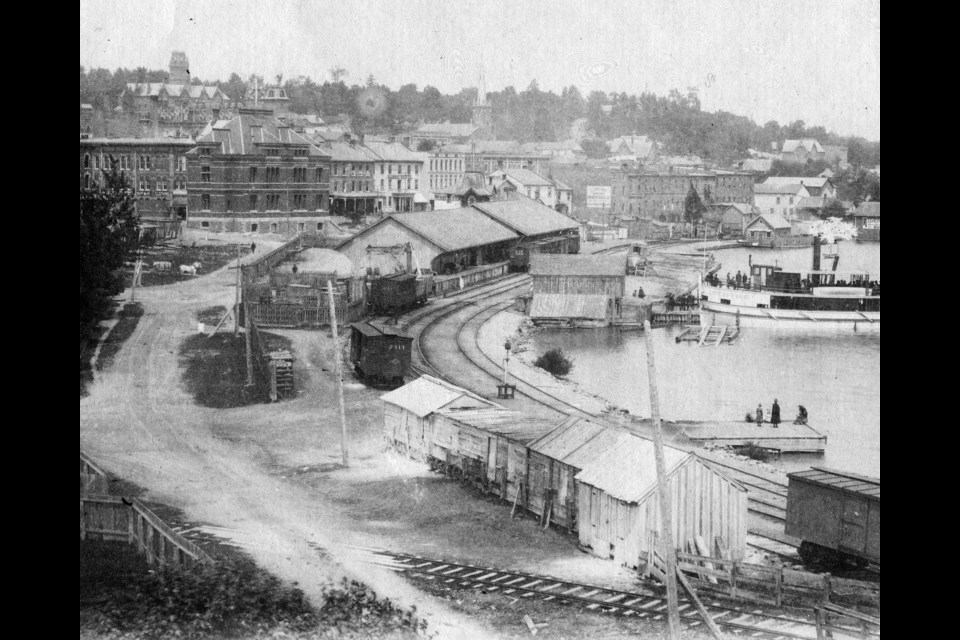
<point>379,355</point>
<point>836,514</point>
<point>399,292</point>
<point>520,255</point>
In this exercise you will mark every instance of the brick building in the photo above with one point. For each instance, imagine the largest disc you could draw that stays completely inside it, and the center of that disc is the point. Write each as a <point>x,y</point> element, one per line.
<point>156,169</point>
<point>176,106</point>
<point>255,173</point>
<point>352,187</point>
<point>660,195</point>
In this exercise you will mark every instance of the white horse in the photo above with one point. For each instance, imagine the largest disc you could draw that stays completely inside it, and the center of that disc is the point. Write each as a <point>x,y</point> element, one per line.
<point>189,269</point>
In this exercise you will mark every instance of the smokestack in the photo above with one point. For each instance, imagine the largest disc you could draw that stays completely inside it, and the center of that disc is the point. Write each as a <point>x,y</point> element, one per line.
<point>816,253</point>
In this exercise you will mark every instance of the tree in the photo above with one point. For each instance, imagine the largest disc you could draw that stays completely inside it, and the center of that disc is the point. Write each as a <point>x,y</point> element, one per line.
<point>693,207</point>
<point>426,145</point>
<point>833,209</point>
<point>594,148</point>
<point>338,73</point>
<point>109,230</point>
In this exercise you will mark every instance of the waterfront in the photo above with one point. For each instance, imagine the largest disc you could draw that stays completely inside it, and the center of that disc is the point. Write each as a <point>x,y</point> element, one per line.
<point>837,378</point>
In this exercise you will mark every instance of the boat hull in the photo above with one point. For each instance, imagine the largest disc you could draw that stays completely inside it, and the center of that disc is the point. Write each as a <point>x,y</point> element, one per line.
<point>800,321</point>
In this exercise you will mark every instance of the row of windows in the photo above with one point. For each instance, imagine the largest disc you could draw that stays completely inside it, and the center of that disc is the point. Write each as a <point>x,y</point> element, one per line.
<point>124,162</point>
<point>271,201</point>
<point>353,169</point>
<point>446,164</point>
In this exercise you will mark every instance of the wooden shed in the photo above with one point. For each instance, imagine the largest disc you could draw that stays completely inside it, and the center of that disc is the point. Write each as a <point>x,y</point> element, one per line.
<point>619,506</point>
<point>490,446</point>
<point>406,412</point>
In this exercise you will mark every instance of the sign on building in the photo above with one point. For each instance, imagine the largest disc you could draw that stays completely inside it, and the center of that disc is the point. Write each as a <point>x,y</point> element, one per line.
<point>598,197</point>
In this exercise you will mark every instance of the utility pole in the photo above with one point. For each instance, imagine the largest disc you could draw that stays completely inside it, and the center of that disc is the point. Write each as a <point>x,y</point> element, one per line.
<point>236,300</point>
<point>666,509</point>
<point>339,374</point>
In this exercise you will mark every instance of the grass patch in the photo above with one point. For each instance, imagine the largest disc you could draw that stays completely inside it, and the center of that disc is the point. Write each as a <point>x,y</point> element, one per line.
<point>215,369</point>
<point>127,320</point>
<point>211,315</point>
<point>233,598</point>
<point>210,257</point>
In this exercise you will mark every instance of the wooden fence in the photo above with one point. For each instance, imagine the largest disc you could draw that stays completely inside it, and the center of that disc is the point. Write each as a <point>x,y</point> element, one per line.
<point>93,479</point>
<point>773,585</point>
<point>835,620</point>
<point>260,267</point>
<point>444,285</point>
<point>290,315</point>
<point>118,519</point>
<point>674,317</point>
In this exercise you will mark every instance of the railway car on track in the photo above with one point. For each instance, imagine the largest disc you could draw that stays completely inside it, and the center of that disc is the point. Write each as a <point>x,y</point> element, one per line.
<point>399,292</point>
<point>836,514</point>
<point>520,255</point>
<point>379,355</point>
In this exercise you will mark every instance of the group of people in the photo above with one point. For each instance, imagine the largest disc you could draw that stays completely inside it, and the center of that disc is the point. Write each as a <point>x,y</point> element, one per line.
<point>775,414</point>
<point>739,281</point>
<point>638,293</point>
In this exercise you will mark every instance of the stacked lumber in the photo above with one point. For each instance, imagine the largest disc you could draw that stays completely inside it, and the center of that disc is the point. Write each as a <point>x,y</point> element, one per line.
<point>281,364</point>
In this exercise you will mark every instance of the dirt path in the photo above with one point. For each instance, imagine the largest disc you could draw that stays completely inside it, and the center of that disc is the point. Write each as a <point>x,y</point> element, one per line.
<point>140,424</point>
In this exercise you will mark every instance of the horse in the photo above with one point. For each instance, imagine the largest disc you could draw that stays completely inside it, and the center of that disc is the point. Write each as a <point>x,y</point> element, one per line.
<point>189,269</point>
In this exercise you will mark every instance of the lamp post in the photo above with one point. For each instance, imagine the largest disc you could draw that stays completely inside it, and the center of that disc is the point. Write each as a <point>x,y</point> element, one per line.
<point>506,360</point>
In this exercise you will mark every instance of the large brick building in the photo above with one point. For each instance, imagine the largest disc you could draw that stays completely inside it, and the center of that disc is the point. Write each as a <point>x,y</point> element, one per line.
<point>661,195</point>
<point>255,173</point>
<point>156,169</point>
<point>175,107</point>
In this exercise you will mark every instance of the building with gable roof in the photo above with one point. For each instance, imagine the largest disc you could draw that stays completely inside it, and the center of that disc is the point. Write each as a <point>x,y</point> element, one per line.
<point>779,198</point>
<point>768,230</point>
<point>800,151</point>
<point>176,106</point>
<point>633,148</point>
<point>254,173</point>
<point>819,186</point>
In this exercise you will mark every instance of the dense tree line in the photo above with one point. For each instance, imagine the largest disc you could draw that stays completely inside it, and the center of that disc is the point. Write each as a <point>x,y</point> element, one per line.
<point>109,231</point>
<point>676,120</point>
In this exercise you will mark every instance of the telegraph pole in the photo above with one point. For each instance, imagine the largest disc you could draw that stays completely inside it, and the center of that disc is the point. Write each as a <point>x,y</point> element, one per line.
<point>339,374</point>
<point>236,300</point>
<point>666,510</point>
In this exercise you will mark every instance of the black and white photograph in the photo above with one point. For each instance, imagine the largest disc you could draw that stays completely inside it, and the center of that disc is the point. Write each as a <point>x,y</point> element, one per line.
<point>479,320</point>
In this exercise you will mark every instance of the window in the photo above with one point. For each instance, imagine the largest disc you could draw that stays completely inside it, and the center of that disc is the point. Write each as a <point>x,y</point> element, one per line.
<point>253,174</point>
<point>86,181</point>
<point>142,184</point>
<point>86,161</point>
<point>253,202</point>
<point>300,201</point>
<point>96,161</point>
<point>273,174</point>
<point>791,199</point>
<point>319,174</point>
<point>273,202</point>
<point>181,163</point>
<point>205,224</point>
<point>205,202</point>
<point>300,153</point>
<point>272,152</point>
<point>319,226</point>
<point>205,151</point>
<point>204,174</point>
<point>301,226</point>
<point>273,227</point>
<point>778,200</point>
<point>254,227</point>
<point>381,185</point>
<point>161,184</point>
<point>228,203</point>
<point>299,174</point>
<point>319,206</point>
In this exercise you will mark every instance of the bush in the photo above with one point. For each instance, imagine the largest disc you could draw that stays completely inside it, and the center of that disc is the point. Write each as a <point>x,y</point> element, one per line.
<point>754,451</point>
<point>556,362</point>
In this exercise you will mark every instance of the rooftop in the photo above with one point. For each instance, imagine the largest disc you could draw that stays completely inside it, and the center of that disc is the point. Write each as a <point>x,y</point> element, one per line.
<point>427,394</point>
<point>841,480</point>
<point>514,425</point>
<point>246,132</point>
<point>527,217</point>
<point>773,220</point>
<point>626,467</point>
<point>789,189</point>
<point>526,177</point>
<point>392,152</point>
<point>573,264</point>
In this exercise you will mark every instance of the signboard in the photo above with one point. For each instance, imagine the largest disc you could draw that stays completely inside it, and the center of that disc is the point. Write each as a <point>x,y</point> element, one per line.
<point>598,197</point>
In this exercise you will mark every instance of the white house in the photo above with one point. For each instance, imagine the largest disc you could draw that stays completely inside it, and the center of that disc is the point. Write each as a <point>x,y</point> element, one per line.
<point>779,199</point>
<point>820,186</point>
<point>531,184</point>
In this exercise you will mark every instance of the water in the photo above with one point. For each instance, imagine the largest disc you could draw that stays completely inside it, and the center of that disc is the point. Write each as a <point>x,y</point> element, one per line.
<point>836,377</point>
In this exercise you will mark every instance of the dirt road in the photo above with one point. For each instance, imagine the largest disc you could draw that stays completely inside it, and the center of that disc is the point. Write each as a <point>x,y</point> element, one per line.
<point>139,423</point>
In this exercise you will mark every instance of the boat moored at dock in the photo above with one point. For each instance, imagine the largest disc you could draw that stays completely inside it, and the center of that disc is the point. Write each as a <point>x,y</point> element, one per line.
<point>814,300</point>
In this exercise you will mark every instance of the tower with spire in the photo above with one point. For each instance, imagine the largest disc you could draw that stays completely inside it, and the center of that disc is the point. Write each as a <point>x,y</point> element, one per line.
<point>482,114</point>
<point>179,68</point>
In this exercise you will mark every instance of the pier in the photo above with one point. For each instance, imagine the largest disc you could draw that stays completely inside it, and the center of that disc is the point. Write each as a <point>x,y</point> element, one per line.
<point>787,438</point>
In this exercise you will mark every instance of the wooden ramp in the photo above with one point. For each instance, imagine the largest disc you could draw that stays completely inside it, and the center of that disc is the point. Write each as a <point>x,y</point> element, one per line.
<point>787,438</point>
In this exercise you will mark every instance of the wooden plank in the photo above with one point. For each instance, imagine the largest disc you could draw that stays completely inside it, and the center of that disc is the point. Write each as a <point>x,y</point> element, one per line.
<point>714,629</point>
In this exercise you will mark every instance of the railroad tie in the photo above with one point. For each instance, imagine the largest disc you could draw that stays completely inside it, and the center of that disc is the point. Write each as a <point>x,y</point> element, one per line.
<point>437,568</point>
<point>630,603</point>
<point>530,584</point>
<point>552,586</point>
<point>503,577</point>
<point>520,579</point>
<point>489,575</point>
<point>454,570</point>
<point>569,591</point>
<point>590,594</point>
<point>472,573</point>
<point>651,604</point>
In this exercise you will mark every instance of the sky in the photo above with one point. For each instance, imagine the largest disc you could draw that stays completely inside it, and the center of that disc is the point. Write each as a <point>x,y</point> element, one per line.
<point>814,60</point>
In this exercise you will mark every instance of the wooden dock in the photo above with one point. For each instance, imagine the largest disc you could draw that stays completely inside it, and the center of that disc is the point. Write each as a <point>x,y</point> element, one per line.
<point>710,335</point>
<point>787,438</point>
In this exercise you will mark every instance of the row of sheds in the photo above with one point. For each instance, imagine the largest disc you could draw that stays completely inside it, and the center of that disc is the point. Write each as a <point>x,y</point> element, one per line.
<point>595,479</point>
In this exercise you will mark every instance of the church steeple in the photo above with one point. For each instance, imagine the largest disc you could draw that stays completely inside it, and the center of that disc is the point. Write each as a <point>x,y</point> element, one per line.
<point>481,110</point>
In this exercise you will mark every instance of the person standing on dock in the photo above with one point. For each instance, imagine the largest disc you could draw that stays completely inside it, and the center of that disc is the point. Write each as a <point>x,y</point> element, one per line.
<point>775,414</point>
<point>759,414</point>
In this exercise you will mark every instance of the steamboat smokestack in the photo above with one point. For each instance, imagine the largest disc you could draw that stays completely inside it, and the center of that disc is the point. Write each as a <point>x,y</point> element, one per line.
<point>816,253</point>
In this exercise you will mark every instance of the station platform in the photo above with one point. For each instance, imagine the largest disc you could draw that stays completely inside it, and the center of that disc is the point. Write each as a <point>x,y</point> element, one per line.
<point>787,438</point>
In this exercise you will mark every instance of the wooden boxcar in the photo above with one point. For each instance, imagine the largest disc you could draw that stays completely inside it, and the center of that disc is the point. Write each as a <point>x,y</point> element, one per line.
<point>836,514</point>
<point>379,355</point>
<point>399,292</point>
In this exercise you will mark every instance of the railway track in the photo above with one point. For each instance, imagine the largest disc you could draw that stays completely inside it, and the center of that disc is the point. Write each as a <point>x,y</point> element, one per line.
<point>738,621</point>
